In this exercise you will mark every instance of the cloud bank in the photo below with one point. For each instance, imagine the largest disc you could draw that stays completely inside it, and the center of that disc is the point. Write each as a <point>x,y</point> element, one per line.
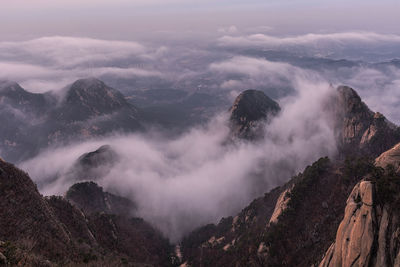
<point>47,63</point>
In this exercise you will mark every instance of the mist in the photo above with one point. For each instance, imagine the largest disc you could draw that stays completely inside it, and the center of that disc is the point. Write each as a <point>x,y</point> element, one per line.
<point>198,177</point>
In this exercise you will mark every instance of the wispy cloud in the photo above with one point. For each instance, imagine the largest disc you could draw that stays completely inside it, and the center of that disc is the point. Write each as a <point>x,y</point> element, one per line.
<point>308,39</point>
<point>55,60</point>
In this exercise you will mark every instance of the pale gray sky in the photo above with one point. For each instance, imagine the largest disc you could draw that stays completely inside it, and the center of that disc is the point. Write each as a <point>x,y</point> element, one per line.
<point>136,19</point>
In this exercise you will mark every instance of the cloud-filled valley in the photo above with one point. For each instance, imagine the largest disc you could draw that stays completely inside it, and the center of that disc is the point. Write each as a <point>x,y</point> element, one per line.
<point>184,181</point>
<point>198,177</point>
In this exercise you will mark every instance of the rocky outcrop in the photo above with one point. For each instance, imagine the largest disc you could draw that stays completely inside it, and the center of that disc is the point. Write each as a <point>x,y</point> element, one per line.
<point>249,110</point>
<point>390,157</point>
<point>355,235</point>
<point>360,130</point>
<point>93,165</point>
<point>369,234</point>
<point>280,206</point>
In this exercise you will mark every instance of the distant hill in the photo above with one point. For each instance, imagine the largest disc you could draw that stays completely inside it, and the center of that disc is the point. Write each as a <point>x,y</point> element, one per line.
<point>89,108</point>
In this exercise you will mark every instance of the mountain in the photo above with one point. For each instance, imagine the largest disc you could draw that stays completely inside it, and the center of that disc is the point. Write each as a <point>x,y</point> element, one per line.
<point>87,109</point>
<point>250,109</point>
<point>51,231</point>
<point>91,108</point>
<point>361,130</point>
<point>89,98</point>
<point>20,113</point>
<point>13,95</point>
<point>91,198</point>
<point>94,165</point>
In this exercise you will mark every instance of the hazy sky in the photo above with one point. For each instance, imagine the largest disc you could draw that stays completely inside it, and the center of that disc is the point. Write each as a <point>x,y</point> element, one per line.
<point>135,19</point>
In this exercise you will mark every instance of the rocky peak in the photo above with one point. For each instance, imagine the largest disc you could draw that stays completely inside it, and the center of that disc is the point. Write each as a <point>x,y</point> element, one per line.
<point>104,155</point>
<point>91,198</point>
<point>359,129</point>
<point>87,98</point>
<point>13,94</point>
<point>94,165</point>
<point>87,91</point>
<point>390,157</point>
<point>250,108</point>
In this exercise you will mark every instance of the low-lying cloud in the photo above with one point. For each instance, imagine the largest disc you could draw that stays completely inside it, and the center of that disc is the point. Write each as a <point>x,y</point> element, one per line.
<point>183,182</point>
<point>196,178</point>
<point>353,45</point>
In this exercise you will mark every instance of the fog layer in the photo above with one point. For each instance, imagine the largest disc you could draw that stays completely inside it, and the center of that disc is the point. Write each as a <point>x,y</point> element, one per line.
<point>182,183</point>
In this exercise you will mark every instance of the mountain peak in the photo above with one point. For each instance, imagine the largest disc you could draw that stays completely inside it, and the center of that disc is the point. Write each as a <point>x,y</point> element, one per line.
<point>91,97</point>
<point>88,88</point>
<point>92,198</point>
<point>250,107</point>
<point>6,84</point>
<point>360,129</point>
<point>88,83</point>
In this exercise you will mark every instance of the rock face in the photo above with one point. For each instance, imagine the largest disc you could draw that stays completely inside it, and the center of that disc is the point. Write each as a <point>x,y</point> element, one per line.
<point>360,130</point>
<point>280,206</point>
<point>38,231</point>
<point>251,108</point>
<point>355,235</point>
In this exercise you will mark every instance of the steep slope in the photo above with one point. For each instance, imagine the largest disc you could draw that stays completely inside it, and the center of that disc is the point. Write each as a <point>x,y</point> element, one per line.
<point>37,231</point>
<point>360,130</point>
<point>27,218</point>
<point>249,110</point>
<point>264,234</point>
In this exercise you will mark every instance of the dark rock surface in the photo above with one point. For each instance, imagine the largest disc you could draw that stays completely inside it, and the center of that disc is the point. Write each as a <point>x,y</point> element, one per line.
<point>250,109</point>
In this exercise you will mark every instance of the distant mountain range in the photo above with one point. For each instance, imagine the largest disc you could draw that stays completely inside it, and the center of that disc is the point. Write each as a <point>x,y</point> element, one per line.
<point>89,108</point>
<point>34,121</point>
